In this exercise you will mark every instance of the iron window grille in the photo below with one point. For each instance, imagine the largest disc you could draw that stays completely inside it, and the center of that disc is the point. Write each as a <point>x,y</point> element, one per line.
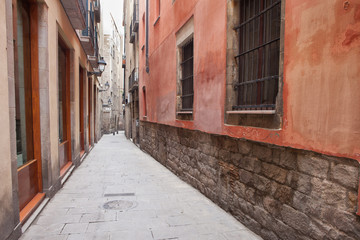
<point>187,80</point>
<point>133,78</point>
<point>82,8</point>
<point>135,16</point>
<point>259,52</point>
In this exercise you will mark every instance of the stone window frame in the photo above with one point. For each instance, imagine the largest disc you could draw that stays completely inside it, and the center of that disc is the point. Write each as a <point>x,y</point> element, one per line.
<point>183,35</point>
<point>253,118</point>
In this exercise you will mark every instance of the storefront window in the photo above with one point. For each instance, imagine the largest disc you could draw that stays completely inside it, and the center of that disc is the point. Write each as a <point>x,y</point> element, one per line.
<point>23,88</point>
<point>62,94</point>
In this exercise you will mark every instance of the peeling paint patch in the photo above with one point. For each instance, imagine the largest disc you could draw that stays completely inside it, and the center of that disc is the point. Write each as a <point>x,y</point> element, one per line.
<point>351,36</point>
<point>348,40</point>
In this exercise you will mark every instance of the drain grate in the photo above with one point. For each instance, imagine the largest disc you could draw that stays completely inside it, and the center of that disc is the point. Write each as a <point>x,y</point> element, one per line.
<point>120,205</point>
<point>119,194</point>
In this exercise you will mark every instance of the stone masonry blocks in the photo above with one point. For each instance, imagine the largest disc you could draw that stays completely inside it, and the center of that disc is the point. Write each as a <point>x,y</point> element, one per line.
<point>277,192</point>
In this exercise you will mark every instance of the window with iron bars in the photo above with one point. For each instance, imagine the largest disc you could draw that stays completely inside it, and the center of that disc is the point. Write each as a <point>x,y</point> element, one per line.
<point>187,80</point>
<point>259,52</point>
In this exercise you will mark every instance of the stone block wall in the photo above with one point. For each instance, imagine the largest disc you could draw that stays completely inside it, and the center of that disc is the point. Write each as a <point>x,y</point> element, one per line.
<point>277,192</point>
<point>105,124</point>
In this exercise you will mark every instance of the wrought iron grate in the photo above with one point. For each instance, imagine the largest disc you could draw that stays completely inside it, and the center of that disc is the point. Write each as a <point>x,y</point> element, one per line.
<point>259,52</point>
<point>187,80</point>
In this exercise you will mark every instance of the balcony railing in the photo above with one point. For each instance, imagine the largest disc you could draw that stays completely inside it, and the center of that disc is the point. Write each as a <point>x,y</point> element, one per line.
<point>76,12</point>
<point>97,10</point>
<point>132,34</point>
<point>134,79</point>
<point>82,8</point>
<point>88,38</point>
<point>135,19</point>
<point>95,58</point>
<point>89,31</point>
<point>96,41</point>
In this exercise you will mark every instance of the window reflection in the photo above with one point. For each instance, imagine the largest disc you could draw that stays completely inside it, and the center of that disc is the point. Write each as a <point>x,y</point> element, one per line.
<point>62,93</point>
<point>23,89</point>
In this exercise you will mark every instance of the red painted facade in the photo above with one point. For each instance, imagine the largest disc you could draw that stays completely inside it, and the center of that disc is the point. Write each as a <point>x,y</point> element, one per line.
<point>321,91</point>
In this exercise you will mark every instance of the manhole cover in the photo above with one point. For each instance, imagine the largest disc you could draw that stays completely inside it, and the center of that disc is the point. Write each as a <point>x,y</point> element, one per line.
<point>119,205</point>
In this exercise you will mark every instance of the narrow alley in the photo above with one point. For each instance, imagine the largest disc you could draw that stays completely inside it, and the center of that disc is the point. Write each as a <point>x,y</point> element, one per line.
<point>119,192</point>
<point>180,119</point>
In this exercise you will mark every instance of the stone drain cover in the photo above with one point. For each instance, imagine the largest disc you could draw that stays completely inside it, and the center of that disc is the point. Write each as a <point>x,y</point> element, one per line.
<point>120,205</point>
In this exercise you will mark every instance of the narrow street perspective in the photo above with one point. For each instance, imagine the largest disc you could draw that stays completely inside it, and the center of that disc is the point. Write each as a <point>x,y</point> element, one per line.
<point>180,119</point>
<point>120,192</point>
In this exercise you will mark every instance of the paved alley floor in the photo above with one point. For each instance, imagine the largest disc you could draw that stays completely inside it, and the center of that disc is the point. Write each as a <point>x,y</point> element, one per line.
<point>120,193</point>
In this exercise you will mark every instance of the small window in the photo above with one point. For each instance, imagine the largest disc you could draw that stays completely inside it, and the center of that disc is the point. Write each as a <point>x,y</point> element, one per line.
<point>185,71</point>
<point>258,58</point>
<point>187,80</point>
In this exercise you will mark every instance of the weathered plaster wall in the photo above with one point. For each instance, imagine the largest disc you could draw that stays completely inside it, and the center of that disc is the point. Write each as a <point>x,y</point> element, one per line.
<point>59,24</point>
<point>5,166</point>
<point>321,88</point>
<point>132,51</point>
<point>7,219</point>
<point>106,77</point>
<point>98,117</point>
<point>16,227</point>
<point>44,99</point>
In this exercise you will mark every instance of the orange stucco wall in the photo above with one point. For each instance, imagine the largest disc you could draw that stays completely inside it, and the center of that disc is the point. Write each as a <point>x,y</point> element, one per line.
<point>321,92</point>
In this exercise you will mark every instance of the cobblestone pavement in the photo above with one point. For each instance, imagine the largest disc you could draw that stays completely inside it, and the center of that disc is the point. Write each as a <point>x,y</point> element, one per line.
<point>121,193</point>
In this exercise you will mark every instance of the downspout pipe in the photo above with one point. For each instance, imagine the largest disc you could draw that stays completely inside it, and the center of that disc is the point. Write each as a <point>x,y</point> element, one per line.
<point>147,37</point>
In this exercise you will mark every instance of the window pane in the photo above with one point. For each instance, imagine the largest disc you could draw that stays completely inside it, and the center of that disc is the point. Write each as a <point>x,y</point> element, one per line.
<point>187,76</point>
<point>259,51</point>
<point>62,94</point>
<point>24,128</point>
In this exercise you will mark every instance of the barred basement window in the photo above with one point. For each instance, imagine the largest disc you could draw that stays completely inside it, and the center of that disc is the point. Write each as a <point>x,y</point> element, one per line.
<point>187,70</point>
<point>259,52</point>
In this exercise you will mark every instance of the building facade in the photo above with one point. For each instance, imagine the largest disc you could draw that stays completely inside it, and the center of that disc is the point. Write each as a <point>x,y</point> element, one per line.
<point>50,106</point>
<point>131,58</point>
<point>112,80</point>
<point>255,103</point>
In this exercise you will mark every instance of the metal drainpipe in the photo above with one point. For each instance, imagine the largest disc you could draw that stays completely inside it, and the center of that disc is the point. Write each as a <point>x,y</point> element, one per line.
<point>147,36</point>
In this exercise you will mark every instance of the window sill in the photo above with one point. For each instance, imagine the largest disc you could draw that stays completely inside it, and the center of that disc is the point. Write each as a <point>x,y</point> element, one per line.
<point>269,112</point>
<point>26,212</point>
<point>157,19</point>
<point>184,113</point>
